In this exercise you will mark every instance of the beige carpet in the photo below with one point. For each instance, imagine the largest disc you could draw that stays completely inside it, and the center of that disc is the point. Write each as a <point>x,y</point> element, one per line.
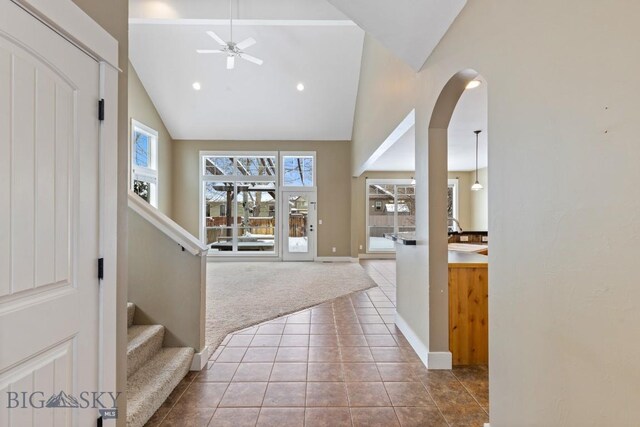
<point>241,294</point>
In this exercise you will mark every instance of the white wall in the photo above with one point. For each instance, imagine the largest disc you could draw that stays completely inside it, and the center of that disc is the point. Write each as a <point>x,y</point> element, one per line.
<point>563,90</point>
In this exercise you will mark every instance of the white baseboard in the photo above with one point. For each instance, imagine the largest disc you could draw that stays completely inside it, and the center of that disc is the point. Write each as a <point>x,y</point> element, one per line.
<point>377,256</point>
<point>440,360</point>
<point>336,259</point>
<point>418,346</point>
<point>431,360</point>
<point>200,359</point>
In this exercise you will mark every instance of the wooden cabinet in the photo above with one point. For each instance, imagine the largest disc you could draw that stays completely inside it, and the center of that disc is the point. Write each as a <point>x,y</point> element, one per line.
<point>469,312</point>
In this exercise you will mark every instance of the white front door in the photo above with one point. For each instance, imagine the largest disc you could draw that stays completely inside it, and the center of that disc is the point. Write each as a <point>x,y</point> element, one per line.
<point>49,307</point>
<point>299,210</point>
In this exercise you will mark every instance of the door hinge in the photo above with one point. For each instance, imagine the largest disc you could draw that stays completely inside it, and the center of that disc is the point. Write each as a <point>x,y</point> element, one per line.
<point>101,109</point>
<point>100,268</point>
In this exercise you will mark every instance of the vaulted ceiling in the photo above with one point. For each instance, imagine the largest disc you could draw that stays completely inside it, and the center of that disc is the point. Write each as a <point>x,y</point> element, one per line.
<point>409,28</point>
<point>314,42</point>
<point>300,41</point>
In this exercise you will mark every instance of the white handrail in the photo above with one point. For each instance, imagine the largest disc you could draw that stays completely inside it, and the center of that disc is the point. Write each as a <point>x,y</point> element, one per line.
<point>166,225</point>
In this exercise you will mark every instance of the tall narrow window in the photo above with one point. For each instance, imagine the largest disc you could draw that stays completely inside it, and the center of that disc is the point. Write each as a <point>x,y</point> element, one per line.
<point>144,162</point>
<point>391,208</point>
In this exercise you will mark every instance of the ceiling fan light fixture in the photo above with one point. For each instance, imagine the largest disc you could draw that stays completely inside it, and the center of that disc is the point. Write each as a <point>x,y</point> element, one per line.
<point>473,84</point>
<point>231,48</point>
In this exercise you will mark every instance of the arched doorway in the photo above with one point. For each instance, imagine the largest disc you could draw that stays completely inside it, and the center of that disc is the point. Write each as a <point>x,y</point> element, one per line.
<point>458,275</point>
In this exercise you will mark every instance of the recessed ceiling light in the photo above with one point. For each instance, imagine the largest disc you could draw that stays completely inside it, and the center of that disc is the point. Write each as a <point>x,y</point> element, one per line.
<point>196,86</point>
<point>473,84</point>
<point>300,87</point>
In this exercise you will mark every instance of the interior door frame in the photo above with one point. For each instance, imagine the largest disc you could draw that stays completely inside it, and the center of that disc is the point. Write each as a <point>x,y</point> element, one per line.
<point>284,244</point>
<point>73,24</point>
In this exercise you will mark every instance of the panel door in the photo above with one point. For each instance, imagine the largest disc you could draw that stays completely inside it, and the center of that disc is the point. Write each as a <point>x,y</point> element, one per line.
<point>48,224</point>
<point>299,209</point>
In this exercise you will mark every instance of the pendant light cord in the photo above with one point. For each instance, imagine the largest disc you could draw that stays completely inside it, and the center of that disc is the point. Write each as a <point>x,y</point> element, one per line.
<point>477,157</point>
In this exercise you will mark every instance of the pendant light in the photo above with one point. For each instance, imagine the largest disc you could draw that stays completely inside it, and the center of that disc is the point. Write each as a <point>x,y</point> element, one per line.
<point>477,186</point>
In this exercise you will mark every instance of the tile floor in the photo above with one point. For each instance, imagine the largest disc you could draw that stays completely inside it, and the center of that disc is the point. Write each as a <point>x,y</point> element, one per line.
<point>342,363</point>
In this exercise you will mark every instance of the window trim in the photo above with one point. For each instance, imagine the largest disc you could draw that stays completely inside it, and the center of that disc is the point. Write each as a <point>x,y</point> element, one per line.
<point>311,154</point>
<point>141,173</point>
<point>455,183</point>
<point>236,178</point>
<point>389,181</point>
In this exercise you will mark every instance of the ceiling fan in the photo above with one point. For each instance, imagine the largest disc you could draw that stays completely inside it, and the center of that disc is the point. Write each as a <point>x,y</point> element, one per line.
<point>230,48</point>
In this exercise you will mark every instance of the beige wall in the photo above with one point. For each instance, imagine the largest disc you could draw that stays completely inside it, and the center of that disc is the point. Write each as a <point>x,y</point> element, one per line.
<point>561,312</point>
<point>113,16</point>
<point>385,97</point>
<point>171,292</point>
<point>359,208</point>
<point>333,176</point>
<point>480,203</point>
<point>472,205</point>
<point>141,108</point>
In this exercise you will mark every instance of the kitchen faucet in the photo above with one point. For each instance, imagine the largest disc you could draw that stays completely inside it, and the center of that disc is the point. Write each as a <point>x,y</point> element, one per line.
<point>457,223</point>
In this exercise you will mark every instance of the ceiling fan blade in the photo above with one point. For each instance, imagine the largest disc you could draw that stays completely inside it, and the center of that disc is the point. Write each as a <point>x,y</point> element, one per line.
<point>246,43</point>
<point>216,38</point>
<point>251,58</point>
<point>231,62</point>
<point>209,51</point>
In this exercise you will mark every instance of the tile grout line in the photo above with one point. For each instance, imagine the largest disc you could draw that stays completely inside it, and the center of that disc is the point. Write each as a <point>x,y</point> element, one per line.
<point>468,391</point>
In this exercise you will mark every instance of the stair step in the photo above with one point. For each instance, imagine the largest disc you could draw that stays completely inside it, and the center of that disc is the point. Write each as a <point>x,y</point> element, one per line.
<point>131,310</point>
<point>150,386</point>
<point>143,342</point>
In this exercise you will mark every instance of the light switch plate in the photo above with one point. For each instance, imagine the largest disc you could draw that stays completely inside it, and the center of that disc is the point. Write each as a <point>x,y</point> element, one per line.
<point>319,222</point>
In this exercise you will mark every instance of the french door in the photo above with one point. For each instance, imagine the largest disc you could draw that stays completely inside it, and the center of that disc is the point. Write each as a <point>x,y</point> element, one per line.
<point>299,210</point>
<point>49,169</point>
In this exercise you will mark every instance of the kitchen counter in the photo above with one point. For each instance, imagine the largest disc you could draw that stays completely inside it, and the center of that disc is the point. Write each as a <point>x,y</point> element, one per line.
<point>467,259</point>
<point>407,238</point>
<point>468,247</point>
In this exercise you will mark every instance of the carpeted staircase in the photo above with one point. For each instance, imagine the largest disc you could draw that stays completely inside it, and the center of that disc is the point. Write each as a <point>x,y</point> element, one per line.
<point>153,371</point>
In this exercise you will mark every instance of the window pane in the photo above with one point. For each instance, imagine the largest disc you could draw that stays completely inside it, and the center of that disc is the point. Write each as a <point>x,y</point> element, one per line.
<point>258,236</point>
<point>256,216</point>
<point>219,199</point>
<point>298,171</point>
<point>382,189</point>
<point>406,209</point>
<point>142,146</point>
<point>381,210</point>
<point>142,189</point>
<point>256,166</point>
<point>298,240</point>
<point>218,166</point>
<point>450,208</point>
<point>219,238</point>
